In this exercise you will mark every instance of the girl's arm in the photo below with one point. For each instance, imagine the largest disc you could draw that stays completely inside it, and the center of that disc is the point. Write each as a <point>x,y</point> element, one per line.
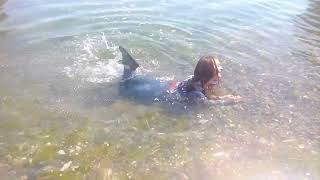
<point>222,100</point>
<point>196,97</point>
<point>225,97</point>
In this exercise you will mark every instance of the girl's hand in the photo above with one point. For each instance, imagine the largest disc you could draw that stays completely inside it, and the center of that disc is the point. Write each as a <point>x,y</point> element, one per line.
<point>236,99</point>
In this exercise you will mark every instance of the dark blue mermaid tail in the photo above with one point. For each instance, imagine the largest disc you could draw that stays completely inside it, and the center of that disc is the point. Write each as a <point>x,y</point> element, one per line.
<point>130,64</point>
<point>142,88</point>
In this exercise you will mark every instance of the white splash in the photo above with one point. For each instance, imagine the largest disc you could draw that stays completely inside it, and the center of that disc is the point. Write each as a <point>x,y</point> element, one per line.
<point>88,66</point>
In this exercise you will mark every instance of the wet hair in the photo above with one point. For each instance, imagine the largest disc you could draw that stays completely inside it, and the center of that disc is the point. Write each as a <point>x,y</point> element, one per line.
<point>206,69</point>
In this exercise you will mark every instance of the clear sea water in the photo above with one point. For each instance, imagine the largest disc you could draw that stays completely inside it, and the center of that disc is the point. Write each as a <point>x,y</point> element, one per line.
<point>61,116</point>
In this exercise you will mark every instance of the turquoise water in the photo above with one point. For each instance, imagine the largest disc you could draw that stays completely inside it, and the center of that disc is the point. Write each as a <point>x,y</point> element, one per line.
<point>61,116</point>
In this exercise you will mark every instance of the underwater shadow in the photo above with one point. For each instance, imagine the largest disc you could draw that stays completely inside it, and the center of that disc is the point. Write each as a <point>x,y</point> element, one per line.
<point>3,15</point>
<point>105,95</point>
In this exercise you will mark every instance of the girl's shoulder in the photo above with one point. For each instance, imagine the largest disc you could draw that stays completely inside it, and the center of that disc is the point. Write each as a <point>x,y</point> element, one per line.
<point>189,85</point>
<point>191,91</point>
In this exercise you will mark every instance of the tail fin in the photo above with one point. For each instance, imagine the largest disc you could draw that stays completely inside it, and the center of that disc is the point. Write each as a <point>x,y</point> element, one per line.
<point>128,60</point>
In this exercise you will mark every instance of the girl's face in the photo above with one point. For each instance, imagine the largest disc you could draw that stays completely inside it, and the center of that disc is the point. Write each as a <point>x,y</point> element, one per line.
<point>210,86</point>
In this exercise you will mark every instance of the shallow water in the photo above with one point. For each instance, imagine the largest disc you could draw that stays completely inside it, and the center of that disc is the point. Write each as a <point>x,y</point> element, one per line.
<point>62,118</point>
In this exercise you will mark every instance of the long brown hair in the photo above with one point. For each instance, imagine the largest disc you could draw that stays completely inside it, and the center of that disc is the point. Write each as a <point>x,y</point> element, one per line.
<point>206,69</point>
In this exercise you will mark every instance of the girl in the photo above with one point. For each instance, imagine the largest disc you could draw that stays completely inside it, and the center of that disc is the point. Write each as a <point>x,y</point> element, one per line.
<point>197,90</point>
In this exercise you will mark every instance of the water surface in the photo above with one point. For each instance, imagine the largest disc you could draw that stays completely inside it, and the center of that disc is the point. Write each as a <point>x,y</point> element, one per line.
<point>61,116</point>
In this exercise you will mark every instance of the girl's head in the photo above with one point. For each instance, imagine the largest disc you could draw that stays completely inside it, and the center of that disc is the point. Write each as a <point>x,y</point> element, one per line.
<point>208,72</point>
